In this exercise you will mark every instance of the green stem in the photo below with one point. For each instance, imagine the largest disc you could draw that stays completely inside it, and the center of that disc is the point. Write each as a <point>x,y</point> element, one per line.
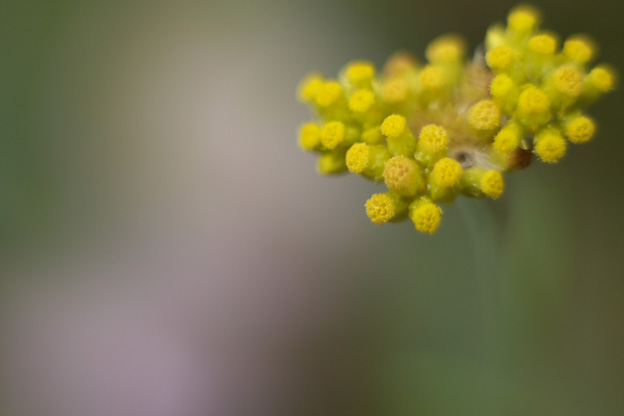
<point>485,236</point>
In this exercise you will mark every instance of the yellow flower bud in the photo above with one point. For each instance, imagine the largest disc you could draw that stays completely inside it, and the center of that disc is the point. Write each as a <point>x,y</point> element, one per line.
<point>446,172</point>
<point>393,126</point>
<point>500,58</point>
<point>601,78</point>
<point>360,73</point>
<point>367,160</point>
<point>332,134</point>
<point>508,138</point>
<point>332,162</point>
<point>550,145</point>
<point>599,81</point>
<point>433,139</point>
<point>400,140</point>
<point>433,142</point>
<point>568,81</point>
<point>399,64</point>
<point>444,180</point>
<point>431,79</point>
<point>495,37</point>
<point>579,129</point>
<point>533,110</point>
<point>492,184</point>
<point>504,91</point>
<point>480,183</point>
<point>446,48</point>
<point>404,176</point>
<point>543,44</point>
<point>523,19</point>
<point>395,91</point>
<point>484,116</point>
<point>309,136</point>
<point>425,215</point>
<point>328,93</point>
<point>579,49</point>
<point>309,87</point>
<point>361,101</point>
<point>383,208</point>
<point>357,158</point>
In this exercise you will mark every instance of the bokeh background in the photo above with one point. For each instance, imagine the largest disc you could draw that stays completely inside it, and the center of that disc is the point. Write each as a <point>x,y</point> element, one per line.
<point>167,250</point>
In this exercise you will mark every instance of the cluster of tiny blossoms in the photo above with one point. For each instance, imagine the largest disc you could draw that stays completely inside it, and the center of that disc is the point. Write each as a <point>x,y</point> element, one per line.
<point>454,126</point>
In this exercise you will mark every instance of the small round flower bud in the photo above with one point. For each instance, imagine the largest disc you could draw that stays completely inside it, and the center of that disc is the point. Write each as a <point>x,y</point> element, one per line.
<point>383,208</point>
<point>395,91</point>
<point>533,109</point>
<point>433,139</point>
<point>543,44</point>
<point>309,136</point>
<point>331,162</point>
<point>404,176</point>
<point>480,183</point>
<point>399,64</point>
<point>579,49</point>
<point>332,134</point>
<point>523,19</point>
<point>393,126</point>
<point>508,138</point>
<point>400,140</point>
<point>360,73</point>
<point>358,157</point>
<point>361,101</point>
<point>309,87</point>
<point>504,91</point>
<point>431,79</point>
<point>495,37</point>
<point>367,160</point>
<point>447,48</point>
<point>500,58</point>
<point>425,215</point>
<point>446,173</point>
<point>550,145</point>
<point>601,78</point>
<point>328,93</point>
<point>433,142</point>
<point>579,129</point>
<point>492,184</point>
<point>568,81</point>
<point>444,180</point>
<point>484,116</point>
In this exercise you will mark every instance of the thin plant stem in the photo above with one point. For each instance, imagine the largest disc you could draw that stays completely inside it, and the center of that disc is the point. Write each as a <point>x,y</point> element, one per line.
<point>484,232</point>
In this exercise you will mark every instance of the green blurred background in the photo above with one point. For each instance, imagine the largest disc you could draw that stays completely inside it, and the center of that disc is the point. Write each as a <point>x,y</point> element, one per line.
<point>166,248</point>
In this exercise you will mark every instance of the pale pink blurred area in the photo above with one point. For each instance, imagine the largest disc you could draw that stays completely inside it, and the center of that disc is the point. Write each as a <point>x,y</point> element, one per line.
<point>192,264</point>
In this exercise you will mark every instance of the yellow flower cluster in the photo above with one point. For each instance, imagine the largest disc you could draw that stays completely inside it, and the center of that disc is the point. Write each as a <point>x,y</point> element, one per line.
<point>432,131</point>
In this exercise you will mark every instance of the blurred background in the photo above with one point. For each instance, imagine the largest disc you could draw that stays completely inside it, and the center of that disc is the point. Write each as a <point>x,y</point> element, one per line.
<point>166,249</point>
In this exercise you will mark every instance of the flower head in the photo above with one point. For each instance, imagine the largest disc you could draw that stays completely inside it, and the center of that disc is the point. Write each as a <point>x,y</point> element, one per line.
<point>453,126</point>
<point>425,215</point>
<point>543,44</point>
